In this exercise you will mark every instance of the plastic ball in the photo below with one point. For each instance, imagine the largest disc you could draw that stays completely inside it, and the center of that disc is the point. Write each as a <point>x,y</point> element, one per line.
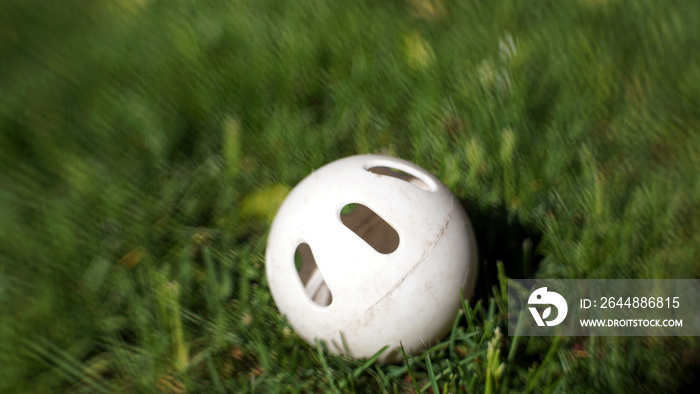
<point>370,251</point>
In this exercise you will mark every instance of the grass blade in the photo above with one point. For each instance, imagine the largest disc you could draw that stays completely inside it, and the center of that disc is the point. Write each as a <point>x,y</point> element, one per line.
<point>357,372</point>
<point>324,363</point>
<point>410,372</point>
<point>431,376</point>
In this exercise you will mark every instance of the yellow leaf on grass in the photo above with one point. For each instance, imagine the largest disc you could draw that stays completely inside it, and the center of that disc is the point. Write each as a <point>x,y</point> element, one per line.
<point>132,258</point>
<point>263,203</point>
<point>419,53</point>
<point>428,9</point>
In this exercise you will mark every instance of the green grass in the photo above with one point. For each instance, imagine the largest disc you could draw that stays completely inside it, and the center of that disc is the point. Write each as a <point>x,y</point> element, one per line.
<point>145,146</point>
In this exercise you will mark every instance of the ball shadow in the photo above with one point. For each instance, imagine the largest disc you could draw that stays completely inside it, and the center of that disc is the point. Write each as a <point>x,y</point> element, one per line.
<point>501,238</point>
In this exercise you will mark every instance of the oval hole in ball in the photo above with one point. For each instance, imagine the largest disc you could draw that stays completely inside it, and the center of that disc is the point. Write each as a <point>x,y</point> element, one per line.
<point>314,285</point>
<point>370,227</point>
<point>403,175</point>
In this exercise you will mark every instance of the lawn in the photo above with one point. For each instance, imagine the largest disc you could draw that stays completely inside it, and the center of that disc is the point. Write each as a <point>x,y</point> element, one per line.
<point>145,146</point>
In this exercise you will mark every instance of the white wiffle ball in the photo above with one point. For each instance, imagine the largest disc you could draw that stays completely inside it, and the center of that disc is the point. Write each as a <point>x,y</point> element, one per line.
<point>389,272</point>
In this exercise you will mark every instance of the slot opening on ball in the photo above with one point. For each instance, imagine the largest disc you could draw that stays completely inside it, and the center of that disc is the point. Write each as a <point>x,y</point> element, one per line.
<point>370,227</point>
<point>402,175</point>
<point>314,285</point>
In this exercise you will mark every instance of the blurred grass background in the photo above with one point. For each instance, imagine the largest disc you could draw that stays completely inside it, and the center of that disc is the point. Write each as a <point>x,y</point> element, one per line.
<point>145,146</point>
